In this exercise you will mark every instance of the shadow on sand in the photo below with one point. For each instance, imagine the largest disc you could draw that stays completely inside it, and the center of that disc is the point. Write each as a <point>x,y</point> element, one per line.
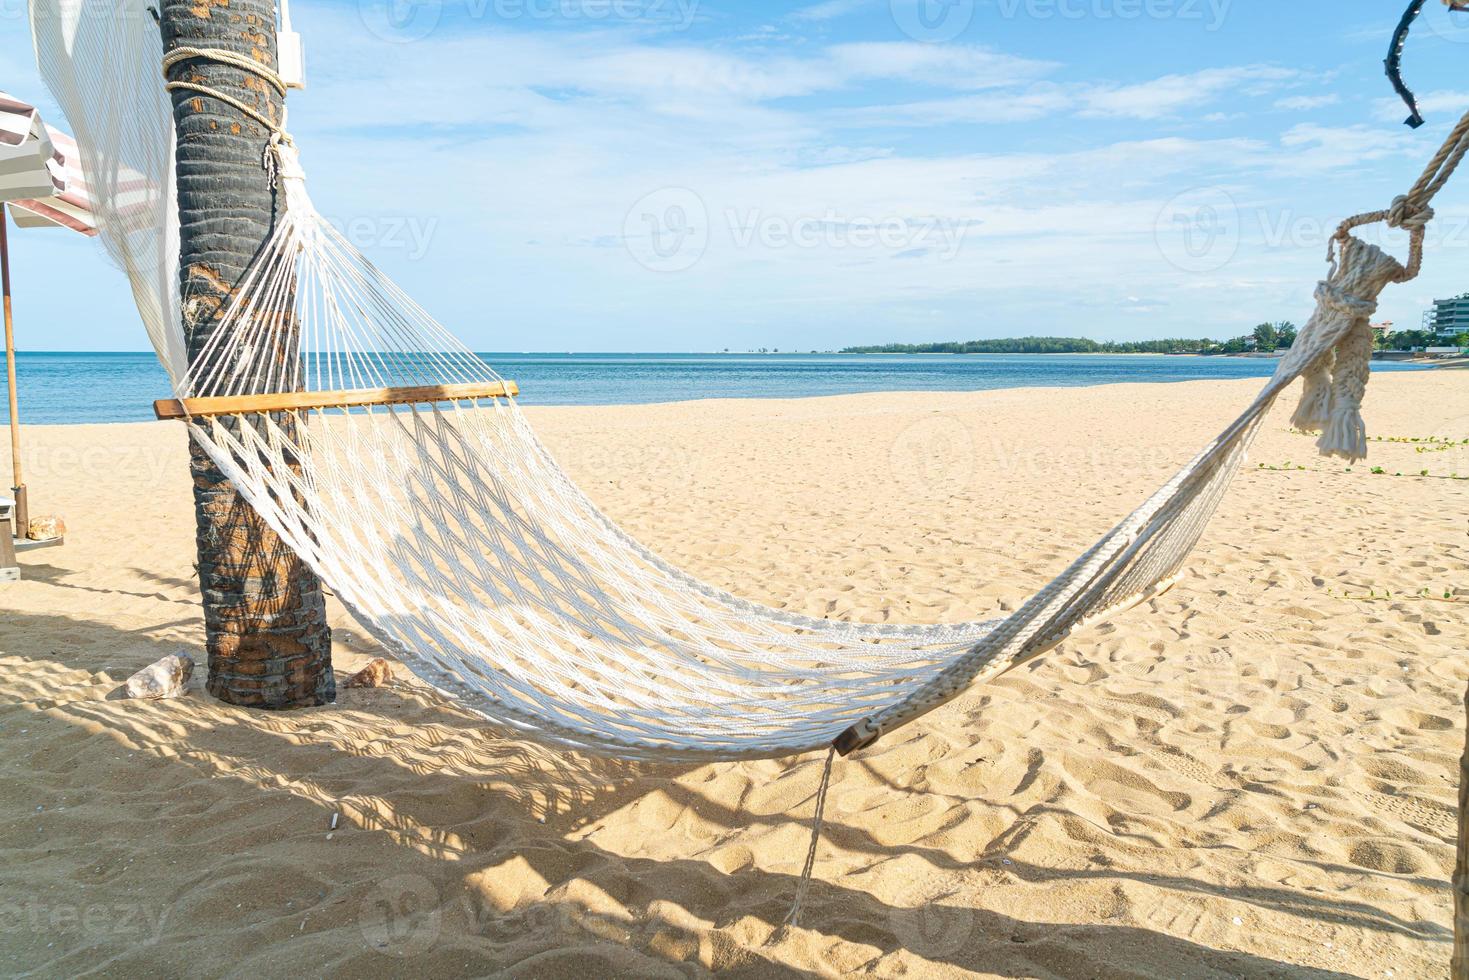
<point>463,852</point>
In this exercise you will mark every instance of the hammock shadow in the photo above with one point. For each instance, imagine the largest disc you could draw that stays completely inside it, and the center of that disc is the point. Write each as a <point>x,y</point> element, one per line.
<point>1356,915</point>
<point>927,938</point>
<point>405,725</point>
<point>491,829</point>
<point>1337,911</point>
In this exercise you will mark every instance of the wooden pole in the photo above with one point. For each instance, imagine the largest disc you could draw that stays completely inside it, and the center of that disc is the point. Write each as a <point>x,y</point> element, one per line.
<point>22,511</point>
<point>1460,968</point>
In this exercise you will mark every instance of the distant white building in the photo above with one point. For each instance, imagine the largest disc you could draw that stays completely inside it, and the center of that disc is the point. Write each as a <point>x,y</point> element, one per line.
<point>1449,317</point>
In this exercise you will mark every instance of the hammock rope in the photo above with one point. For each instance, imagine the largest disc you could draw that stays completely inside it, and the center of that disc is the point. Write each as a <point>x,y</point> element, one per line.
<point>818,821</point>
<point>457,541</point>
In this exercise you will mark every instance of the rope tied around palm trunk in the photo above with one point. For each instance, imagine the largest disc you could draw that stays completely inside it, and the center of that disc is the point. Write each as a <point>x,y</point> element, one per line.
<point>270,158</point>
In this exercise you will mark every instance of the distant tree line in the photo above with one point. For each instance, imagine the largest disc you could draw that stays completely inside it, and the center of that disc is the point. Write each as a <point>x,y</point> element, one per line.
<point>1034,345</point>
<point>1265,337</point>
<point>1409,339</point>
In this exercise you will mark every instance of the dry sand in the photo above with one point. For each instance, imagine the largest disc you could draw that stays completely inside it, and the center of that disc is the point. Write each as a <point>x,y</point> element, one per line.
<point>1253,776</point>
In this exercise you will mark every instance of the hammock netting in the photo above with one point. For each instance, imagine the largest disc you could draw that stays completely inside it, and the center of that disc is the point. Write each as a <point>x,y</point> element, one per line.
<point>455,538</point>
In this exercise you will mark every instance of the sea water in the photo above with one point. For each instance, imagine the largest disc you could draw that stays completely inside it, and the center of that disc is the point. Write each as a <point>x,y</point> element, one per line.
<point>105,387</point>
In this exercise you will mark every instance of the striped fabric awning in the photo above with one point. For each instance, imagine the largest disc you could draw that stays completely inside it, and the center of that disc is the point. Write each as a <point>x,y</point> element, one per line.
<point>40,172</point>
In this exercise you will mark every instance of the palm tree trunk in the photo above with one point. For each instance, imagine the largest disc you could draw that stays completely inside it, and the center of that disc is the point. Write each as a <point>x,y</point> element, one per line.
<point>264,615</point>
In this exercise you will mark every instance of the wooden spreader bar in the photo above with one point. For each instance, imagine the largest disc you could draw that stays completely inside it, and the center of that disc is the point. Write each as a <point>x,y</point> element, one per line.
<point>186,408</point>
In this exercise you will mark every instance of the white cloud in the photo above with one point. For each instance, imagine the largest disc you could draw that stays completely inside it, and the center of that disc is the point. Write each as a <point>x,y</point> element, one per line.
<point>591,125</point>
<point>1310,148</point>
<point>1305,103</point>
<point>990,107</point>
<point>1170,94</point>
<point>526,150</point>
<point>829,10</point>
<point>539,80</point>
<point>1158,98</point>
<point>949,66</point>
<point>1447,104</point>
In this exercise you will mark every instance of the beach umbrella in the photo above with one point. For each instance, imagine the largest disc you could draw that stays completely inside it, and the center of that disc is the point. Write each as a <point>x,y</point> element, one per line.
<point>41,183</point>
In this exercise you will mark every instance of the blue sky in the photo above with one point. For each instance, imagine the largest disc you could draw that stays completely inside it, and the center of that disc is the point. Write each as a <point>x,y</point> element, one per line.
<point>703,174</point>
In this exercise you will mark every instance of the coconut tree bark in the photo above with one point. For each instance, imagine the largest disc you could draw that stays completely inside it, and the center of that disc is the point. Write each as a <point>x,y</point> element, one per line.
<point>264,614</point>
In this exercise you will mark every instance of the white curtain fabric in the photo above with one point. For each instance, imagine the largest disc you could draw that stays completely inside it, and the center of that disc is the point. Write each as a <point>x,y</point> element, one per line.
<point>101,64</point>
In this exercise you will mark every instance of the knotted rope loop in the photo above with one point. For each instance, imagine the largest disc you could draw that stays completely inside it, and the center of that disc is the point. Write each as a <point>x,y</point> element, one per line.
<point>1413,215</point>
<point>1345,229</point>
<point>1332,297</point>
<point>1407,213</point>
<point>271,159</point>
<point>1412,211</point>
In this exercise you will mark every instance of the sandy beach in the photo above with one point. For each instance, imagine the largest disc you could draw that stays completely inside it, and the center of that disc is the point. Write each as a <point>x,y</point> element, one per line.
<point>1252,775</point>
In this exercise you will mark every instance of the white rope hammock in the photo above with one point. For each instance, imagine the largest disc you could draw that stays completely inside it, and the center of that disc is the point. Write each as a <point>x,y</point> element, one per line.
<point>459,543</point>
